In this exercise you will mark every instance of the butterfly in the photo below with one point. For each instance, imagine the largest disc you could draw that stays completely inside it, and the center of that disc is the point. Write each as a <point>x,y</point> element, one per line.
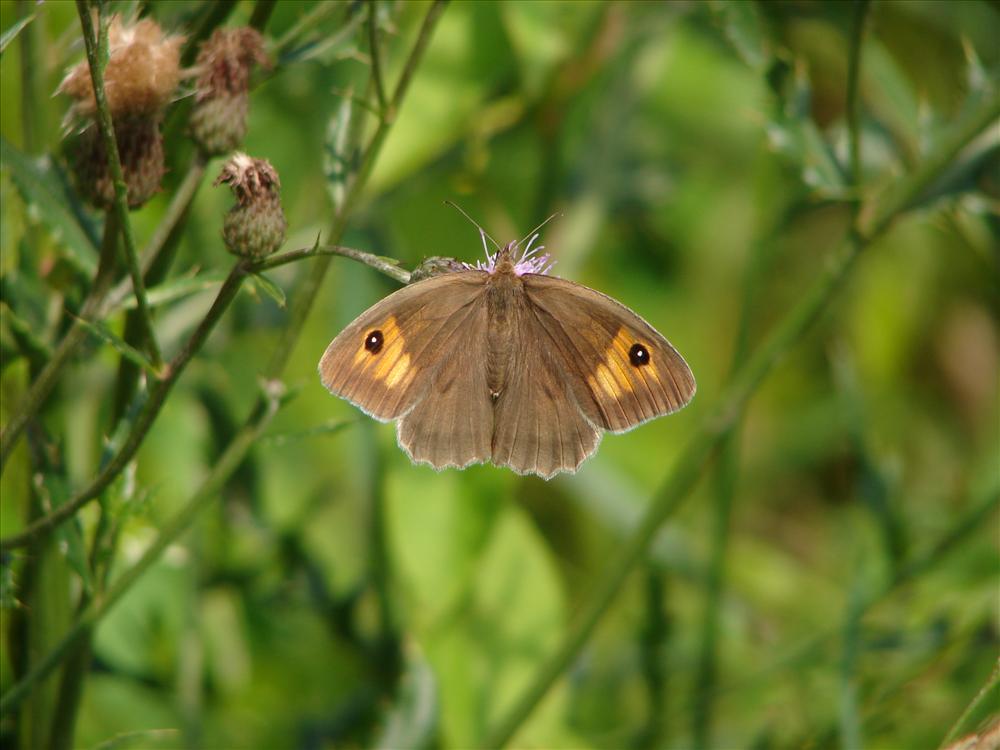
<point>502,362</point>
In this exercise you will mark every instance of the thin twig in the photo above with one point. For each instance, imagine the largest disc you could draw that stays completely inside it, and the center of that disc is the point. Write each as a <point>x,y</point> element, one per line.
<point>96,54</point>
<point>376,63</point>
<point>378,262</point>
<point>705,441</point>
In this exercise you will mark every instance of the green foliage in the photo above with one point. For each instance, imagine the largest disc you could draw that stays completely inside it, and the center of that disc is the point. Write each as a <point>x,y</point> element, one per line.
<point>248,562</point>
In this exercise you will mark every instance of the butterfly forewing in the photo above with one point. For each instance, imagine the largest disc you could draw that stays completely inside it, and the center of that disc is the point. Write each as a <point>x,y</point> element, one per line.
<point>452,424</point>
<point>386,360</point>
<point>622,370</point>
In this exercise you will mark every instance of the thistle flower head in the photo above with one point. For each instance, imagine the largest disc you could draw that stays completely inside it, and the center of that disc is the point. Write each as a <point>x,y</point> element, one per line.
<point>527,260</point>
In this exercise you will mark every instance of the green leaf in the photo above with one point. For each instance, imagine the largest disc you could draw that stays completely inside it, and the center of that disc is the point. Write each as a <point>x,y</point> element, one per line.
<point>11,34</point>
<point>272,290</point>
<point>42,188</point>
<point>123,348</point>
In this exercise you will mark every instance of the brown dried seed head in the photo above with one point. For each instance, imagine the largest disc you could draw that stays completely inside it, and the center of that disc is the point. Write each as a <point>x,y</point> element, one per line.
<point>225,61</point>
<point>142,73</point>
<point>249,178</point>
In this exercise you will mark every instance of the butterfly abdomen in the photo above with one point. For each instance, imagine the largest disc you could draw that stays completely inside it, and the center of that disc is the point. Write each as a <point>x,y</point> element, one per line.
<point>504,298</point>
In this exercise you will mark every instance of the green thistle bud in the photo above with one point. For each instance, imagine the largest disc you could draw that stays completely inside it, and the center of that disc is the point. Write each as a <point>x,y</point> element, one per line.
<point>255,226</point>
<point>219,118</point>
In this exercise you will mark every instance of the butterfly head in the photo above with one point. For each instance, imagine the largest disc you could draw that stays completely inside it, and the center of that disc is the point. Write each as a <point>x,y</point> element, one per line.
<point>511,258</point>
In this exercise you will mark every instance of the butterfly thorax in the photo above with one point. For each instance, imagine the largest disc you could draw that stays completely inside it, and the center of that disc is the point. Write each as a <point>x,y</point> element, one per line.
<point>504,300</point>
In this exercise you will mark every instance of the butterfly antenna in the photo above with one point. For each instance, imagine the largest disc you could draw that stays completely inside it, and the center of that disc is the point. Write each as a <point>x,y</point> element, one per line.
<point>534,232</point>
<point>482,231</point>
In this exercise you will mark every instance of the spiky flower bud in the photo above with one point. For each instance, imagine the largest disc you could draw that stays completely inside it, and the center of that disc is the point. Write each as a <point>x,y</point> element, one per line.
<point>255,226</point>
<point>219,117</point>
<point>140,77</point>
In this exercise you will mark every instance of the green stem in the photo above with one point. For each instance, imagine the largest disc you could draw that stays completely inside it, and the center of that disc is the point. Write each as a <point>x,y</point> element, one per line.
<point>701,446</point>
<point>156,260</point>
<point>77,333</point>
<point>102,603</point>
<point>262,11</point>
<point>373,50</point>
<point>853,109</point>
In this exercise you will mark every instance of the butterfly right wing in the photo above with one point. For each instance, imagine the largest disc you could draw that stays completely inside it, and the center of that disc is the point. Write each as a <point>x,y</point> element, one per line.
<point>386,361</point>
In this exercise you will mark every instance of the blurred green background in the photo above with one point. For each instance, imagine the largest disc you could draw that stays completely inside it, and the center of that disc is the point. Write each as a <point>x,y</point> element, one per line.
<point>337,596</point>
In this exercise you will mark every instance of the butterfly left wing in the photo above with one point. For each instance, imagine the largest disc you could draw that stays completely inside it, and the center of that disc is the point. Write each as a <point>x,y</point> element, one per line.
<point>621,370</point>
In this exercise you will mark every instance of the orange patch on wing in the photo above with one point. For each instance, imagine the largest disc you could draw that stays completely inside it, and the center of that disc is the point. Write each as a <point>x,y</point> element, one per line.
<point>389,364</point>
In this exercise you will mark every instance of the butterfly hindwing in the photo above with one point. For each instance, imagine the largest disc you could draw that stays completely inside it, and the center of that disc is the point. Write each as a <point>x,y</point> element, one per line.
<point>540,426</point>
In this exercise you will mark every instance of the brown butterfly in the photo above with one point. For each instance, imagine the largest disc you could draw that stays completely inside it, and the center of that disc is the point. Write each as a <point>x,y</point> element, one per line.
<point>501,362</point>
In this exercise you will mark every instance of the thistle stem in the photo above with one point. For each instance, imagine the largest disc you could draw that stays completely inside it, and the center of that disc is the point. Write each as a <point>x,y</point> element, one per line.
<point>97,49</point>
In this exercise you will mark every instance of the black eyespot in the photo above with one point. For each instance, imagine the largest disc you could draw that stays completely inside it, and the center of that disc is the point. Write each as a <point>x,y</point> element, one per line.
<point>638,355</point>
<point>373,342</point>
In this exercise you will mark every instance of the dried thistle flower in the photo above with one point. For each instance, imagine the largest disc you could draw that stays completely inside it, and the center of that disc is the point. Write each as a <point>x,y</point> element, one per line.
<point>140,77</point>
<point>219,117</point>
<point>255,226</point>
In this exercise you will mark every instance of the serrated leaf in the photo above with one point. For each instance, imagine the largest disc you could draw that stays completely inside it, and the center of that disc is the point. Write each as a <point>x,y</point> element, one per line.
<point>41,186</point>
<point>272,290</point>
<point>11,34</point>
<point>120,345</point>
<point>176,289</point>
